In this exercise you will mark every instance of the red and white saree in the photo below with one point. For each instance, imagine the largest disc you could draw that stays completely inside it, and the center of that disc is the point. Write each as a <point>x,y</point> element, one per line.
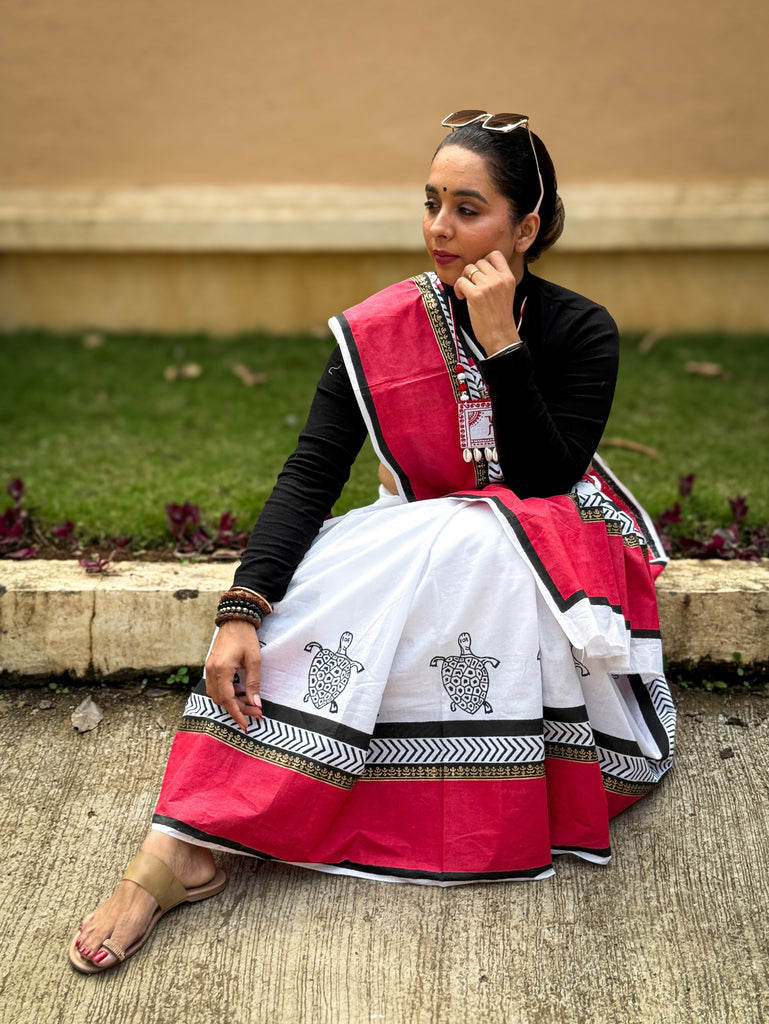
<point>458,684</point>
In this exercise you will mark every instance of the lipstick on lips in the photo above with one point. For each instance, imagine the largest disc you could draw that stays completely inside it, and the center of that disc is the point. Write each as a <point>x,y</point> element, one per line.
<point>443,258</point>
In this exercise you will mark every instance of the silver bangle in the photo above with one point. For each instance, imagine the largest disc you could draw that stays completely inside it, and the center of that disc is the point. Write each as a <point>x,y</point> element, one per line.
<point>504,351</point>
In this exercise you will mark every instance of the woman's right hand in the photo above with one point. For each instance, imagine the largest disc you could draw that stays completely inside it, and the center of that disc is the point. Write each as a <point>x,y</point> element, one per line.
<point>235,650</point>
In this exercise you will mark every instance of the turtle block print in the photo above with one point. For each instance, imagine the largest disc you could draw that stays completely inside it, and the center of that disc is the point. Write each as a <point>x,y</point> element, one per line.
<point>329,673</point>
<point>465,677</point>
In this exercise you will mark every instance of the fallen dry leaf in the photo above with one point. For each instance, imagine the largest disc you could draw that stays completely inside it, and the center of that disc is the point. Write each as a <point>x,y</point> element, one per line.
<point>249,377</point>
<point>86,715</point>
<point>187,371</point>
<point>649,340</point>
<point>225,555</point>
<point>707,370</point>
<point>630,446</point>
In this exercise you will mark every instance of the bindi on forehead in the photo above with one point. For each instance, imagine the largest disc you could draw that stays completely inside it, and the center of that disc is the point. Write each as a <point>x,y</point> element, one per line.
<point>470,193</point>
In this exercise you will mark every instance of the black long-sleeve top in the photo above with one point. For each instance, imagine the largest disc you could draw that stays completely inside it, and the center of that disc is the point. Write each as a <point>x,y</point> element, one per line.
<point>550,401</point>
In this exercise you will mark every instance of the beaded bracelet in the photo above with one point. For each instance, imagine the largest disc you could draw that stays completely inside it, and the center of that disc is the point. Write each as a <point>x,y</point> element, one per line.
<point>242,605</point>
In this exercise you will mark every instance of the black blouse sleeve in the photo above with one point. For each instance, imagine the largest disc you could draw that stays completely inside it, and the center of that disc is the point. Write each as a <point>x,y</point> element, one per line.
<point>309,483</point>
<point>551,398</point>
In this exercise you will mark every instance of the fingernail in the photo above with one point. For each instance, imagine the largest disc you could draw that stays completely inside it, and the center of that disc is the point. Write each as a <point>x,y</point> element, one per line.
<point>100,956</point>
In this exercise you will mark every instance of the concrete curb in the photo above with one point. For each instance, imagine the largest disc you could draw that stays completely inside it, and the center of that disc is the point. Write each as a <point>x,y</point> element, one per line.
<point>150,618</point>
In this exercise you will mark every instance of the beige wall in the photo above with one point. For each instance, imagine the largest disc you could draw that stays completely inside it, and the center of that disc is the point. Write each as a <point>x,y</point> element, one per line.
<point>104,96</point>
<point>229,293</point>
<point>348,91</point>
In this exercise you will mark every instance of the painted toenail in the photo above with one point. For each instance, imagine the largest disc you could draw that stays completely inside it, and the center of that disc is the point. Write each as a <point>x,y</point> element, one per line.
<point>100,956</point>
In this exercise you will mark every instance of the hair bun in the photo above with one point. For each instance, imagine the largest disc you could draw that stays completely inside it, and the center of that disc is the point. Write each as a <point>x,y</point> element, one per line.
<point>549,232</point>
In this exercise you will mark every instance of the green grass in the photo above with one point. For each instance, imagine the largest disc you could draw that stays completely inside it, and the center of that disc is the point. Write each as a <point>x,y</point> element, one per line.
<point>717,428</point>
<point>100,437</point>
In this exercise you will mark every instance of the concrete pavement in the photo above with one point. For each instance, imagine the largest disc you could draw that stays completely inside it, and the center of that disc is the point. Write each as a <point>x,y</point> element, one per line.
<point>673,931</point>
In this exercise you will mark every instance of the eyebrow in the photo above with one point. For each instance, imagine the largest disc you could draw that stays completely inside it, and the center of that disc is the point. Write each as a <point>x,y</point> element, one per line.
<point>470,192</point>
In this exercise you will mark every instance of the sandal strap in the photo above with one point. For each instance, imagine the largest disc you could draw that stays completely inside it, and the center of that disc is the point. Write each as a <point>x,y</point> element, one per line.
<point>157,878</point>
<point>112,947</point>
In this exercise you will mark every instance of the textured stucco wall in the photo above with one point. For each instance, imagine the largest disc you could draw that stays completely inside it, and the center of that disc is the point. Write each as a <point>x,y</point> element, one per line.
<point>109,92</point>
<point>132,133</point>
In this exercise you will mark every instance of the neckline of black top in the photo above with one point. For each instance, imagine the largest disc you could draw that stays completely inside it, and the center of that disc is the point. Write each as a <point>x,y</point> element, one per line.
<point>461,313</point>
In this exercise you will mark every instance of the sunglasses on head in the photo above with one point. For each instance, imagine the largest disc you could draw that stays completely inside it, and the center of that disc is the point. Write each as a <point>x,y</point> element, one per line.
<point>497,123</point>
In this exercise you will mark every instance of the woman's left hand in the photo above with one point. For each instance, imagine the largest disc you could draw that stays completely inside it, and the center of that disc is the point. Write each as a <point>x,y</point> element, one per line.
<point>489,287</point>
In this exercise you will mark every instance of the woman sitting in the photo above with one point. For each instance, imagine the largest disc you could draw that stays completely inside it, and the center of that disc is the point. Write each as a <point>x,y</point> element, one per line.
<point>463,679</point>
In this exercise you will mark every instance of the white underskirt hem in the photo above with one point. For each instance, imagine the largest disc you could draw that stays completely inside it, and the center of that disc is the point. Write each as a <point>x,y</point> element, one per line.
<point>334,869</point>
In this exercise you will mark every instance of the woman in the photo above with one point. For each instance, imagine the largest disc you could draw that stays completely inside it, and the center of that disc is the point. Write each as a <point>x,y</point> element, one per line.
<point>465,678</point>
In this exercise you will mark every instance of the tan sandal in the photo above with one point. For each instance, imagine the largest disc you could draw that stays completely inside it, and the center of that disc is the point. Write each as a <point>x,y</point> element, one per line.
<point>168,892</point>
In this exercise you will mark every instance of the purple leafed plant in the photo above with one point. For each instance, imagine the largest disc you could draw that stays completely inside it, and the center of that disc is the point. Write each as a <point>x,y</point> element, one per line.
<point>739,507</point>
<point>16,490</point>
<point>23,535</point>
<point>95,564</point>
<point>727,542</point>
<point>65,533</point>
<point>21,553</point>
<point>184,523</point>
<point>15,525</point>
<point>12,523</point>
<point>685,484</point>
<point>191,536</point>
<point>228,536</point>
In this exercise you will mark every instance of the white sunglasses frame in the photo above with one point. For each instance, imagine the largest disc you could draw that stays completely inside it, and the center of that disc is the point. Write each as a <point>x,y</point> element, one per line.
<point>484,117</point>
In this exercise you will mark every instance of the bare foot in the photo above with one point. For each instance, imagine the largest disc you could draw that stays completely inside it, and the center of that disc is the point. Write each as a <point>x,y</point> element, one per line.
<point>126,915</point>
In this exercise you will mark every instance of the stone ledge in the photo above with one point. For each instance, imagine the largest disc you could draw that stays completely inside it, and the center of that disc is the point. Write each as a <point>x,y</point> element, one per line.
<point>710,610</point>
<point>142,617</point>
<point>606,217</point>
<point>151,618</point>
